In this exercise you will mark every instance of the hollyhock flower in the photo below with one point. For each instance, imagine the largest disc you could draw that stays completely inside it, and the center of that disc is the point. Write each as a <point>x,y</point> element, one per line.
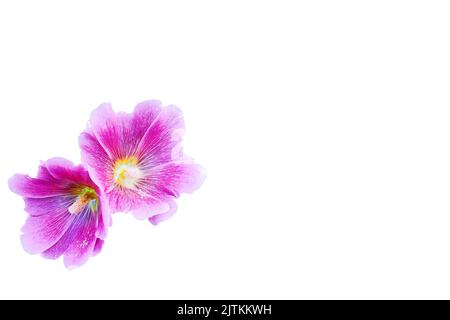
<point>68,215</point>
<point>137,159</point>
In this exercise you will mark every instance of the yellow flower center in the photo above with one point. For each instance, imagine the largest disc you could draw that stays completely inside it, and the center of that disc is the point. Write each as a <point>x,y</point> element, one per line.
<point>127,173</point>
<point>85,196</point>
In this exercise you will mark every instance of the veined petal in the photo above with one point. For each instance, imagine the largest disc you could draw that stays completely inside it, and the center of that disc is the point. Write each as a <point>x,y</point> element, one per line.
<point>77,242</point>
<point>124,200</point>
<point>134,126</point>
<point>103,125</point>
<point>173,178</point>
<point>82,246</point>
<point>119,134</point>
<point>26,186</point>
<point>42,206</point>
<point>96,158</point>
<point>161,138</point>
<point>44,174</point>
<point>43,231</point>
<point>64,170</point>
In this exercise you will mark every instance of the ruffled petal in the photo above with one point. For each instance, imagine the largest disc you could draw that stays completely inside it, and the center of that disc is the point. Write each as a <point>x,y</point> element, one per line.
<point>150,208</point>
<point>159,217</point>
<point>64,170</point>
<point>119,134</point>
<point>44,174</point>
<point>156,212</point>
<point>134,126</point>
<point>164,134</point>
<point>103,125</point>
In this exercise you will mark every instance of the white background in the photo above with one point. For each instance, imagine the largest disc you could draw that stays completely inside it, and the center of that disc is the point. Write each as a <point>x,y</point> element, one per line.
<point>323,125</point>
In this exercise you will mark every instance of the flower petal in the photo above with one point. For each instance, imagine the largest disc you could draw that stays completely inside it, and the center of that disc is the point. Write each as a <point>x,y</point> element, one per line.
<point>124,200</point>
<point>64,170</point>
<point>97,247</point>
<point>156,212</point>
<point>104,219</point>
<point>44,174</point>
<point>77,242</point>
<point>173,178</point>
<point>134,126</point>
<point>81,249</point>
<point>158,217</point>
<point>161,138</point>
<point>97,160</point>
<point>43,231</point>
<point>103,125</point>
<point>150,209</point>
<point>42,206</point>
<point>25,186</point>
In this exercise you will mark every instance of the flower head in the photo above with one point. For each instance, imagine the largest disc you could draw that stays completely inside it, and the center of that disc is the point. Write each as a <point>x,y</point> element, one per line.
<point>137,159</point>
<point>68,214</point>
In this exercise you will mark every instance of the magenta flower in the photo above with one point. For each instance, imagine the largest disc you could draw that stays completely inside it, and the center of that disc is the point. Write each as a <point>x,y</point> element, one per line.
<point>68,215</point>
<point>137,159</point>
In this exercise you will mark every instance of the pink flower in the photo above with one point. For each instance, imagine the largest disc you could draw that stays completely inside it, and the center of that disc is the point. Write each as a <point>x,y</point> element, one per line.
<point>137,159</point>
<point>68,215</point>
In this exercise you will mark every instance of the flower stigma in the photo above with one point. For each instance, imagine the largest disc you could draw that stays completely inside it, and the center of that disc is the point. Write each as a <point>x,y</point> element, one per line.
<point>86,196</point>
<point>127,173</point>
